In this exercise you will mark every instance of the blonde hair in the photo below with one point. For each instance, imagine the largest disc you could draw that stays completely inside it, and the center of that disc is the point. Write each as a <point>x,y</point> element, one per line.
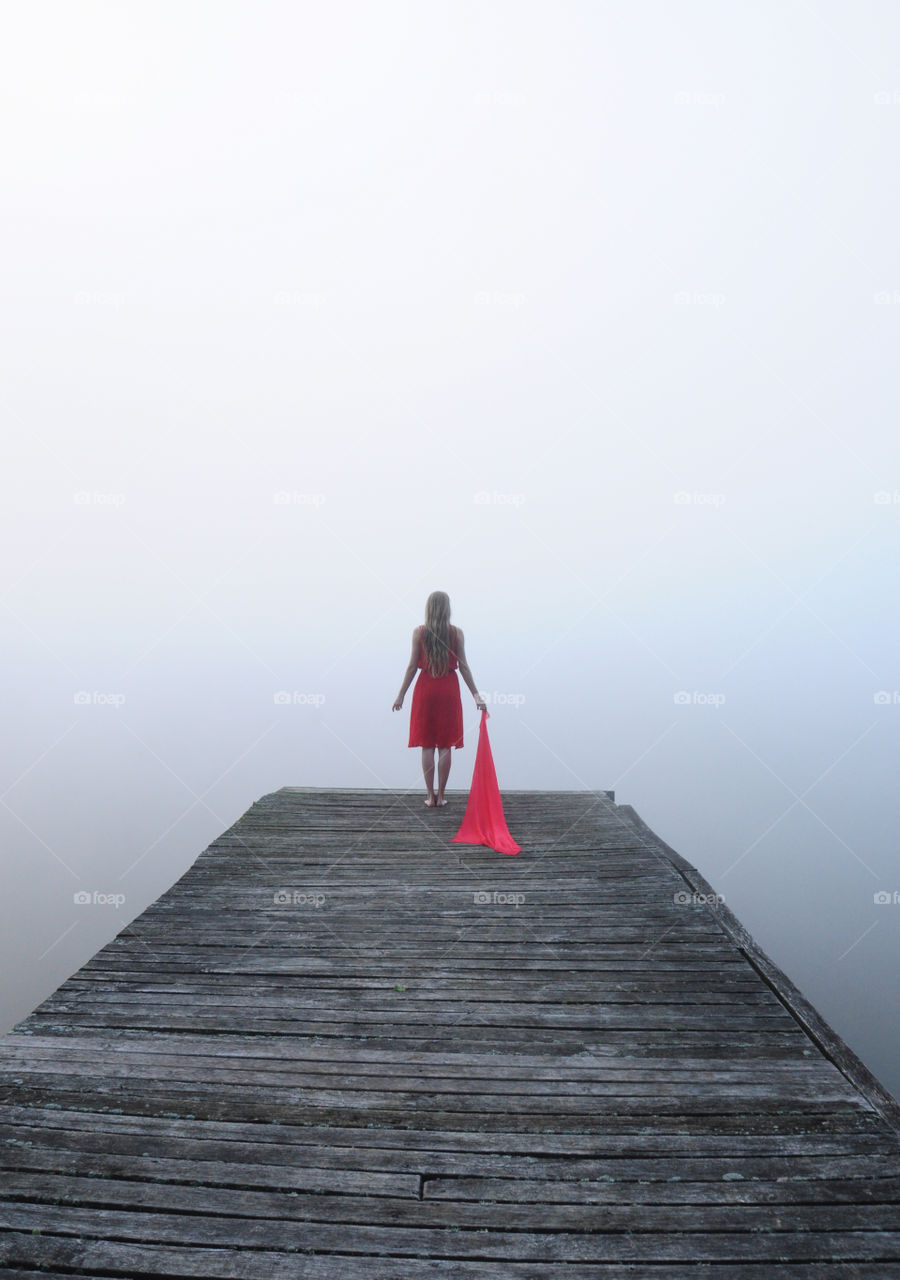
<point>436,636</point>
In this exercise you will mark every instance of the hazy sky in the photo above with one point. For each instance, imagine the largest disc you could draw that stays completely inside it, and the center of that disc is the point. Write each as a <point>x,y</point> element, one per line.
<point>585,313</point>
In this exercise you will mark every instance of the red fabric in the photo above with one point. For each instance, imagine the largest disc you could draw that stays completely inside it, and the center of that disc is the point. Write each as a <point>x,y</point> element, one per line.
<point>484,822</point>
<point>436,716</point>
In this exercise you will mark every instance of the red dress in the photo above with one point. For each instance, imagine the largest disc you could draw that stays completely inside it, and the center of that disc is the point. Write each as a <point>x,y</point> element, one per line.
<point>436,718</point>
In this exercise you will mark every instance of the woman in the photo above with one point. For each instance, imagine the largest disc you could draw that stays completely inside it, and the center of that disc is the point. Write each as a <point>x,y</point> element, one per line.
<point>436,717</point>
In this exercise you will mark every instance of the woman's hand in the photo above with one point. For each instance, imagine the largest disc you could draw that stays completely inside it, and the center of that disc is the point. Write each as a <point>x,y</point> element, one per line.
<point>398,705</point>
<point>479,703</point>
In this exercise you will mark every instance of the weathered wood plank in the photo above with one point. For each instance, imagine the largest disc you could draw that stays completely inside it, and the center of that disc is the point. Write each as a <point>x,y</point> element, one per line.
<point>50,1072</point>
<point>47,1189</point>
<point>110,1258</point>
<point>278,1051</point>
<point>586,1101</point>
<point>694,1116</point>
<point>659,1177</point>
<point>767,1242</point>
<point>457,1147</point>
<point>639,1183</point>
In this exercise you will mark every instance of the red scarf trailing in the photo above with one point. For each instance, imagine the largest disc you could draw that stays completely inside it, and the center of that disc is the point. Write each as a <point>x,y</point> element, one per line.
<point>484,822</point>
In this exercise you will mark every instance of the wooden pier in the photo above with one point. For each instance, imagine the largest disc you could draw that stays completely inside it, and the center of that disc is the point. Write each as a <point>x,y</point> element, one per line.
<point>342,1047</point>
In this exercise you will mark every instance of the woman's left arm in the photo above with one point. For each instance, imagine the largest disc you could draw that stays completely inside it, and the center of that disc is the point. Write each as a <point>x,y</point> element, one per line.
<point>411,669</point>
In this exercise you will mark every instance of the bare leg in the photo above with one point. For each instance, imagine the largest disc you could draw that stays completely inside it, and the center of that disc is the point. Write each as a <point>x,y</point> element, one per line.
<point>428,770</point>
<point>443,773</point>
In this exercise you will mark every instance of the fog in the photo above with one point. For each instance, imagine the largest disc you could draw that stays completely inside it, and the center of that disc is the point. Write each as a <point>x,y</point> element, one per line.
<point>585,313</point>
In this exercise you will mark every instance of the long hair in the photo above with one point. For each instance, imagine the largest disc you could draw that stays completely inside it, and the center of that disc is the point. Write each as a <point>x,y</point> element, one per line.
<point>436,637</point>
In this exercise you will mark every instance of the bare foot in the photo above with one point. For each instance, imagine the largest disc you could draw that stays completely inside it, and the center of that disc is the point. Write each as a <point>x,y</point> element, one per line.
<point>430,802</point>
<point>440,801</point>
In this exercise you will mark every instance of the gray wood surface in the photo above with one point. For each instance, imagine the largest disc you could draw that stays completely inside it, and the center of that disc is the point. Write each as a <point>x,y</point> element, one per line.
<point>391,1078</point>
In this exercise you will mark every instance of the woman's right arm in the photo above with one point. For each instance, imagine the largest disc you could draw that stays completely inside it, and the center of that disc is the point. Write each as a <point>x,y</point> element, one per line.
<point>465,670</point>
<point>410,673</point>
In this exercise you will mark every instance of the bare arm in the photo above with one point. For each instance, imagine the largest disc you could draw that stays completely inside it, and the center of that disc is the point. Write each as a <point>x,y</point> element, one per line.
<point>465,670</point>
<point>410,672</point>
